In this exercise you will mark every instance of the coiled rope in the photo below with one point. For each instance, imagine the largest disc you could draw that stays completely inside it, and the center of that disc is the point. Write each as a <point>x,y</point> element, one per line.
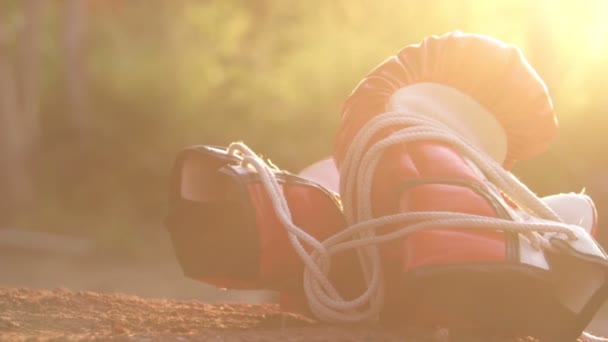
<point>365,233</point>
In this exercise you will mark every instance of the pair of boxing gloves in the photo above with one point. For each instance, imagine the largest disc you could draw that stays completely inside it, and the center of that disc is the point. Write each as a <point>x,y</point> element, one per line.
<point>226,230</point>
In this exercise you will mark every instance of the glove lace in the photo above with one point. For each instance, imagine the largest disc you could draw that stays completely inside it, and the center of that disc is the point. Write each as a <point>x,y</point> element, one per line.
<point>365,232</point>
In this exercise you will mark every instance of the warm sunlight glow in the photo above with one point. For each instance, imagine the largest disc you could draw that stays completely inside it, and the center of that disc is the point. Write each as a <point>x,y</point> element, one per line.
<point>139,80</point>
<point>596,35</point>
<point>580,28</point>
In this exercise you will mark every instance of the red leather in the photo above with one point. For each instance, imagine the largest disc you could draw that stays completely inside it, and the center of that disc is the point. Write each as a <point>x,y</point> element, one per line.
<point>294,303</point>
<point>280,267</point>
<point>311,211</point>
<point>434,161</point>
<point>493,73</point>
<point>210,175</point>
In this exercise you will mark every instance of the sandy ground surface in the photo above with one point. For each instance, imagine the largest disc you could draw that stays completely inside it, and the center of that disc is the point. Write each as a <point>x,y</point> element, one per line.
<point>100,296</point>
<point>66,315</point>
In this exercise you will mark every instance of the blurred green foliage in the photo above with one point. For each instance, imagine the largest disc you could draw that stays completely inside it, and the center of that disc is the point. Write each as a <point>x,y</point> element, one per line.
<point>162,75</point>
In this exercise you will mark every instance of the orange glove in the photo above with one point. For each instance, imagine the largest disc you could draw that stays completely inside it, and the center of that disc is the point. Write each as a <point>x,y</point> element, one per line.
<point>487,280</point>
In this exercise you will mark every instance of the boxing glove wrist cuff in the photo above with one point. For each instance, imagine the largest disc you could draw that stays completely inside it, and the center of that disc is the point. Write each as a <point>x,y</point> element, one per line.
<point>458,111</point>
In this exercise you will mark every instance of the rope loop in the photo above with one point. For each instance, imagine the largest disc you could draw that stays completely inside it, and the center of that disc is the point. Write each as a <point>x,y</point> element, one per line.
<point>364,233</point>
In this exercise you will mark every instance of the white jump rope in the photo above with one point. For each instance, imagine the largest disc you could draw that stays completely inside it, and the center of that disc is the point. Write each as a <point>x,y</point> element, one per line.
<point>364,232</point>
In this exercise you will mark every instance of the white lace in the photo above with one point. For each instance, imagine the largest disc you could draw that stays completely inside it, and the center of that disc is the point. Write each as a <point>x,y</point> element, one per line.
<point>588,337</point>
<point>364,232</point>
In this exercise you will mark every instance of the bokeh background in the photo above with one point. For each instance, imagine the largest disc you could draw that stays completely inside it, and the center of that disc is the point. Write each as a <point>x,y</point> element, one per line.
<point>97,96</point>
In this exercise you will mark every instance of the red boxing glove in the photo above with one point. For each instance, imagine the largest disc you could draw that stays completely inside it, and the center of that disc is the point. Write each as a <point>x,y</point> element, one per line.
<point>226,231</point>
<point>485,280</point>
<point>492,73</point>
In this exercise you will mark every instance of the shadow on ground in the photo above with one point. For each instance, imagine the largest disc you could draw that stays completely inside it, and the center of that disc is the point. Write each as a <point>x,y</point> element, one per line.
<point>92,294</point>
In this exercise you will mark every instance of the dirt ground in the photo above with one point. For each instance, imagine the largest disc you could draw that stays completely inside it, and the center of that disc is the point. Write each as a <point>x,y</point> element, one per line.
<point>53,296</point>
<point>61,314</point>
<point>64,315</point>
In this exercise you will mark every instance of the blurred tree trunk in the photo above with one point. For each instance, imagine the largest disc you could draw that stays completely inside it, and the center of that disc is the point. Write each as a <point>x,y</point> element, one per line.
<point>19,105</point>
<point>9,137</point>
<point>73,42</point>
<point>30,67</point>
